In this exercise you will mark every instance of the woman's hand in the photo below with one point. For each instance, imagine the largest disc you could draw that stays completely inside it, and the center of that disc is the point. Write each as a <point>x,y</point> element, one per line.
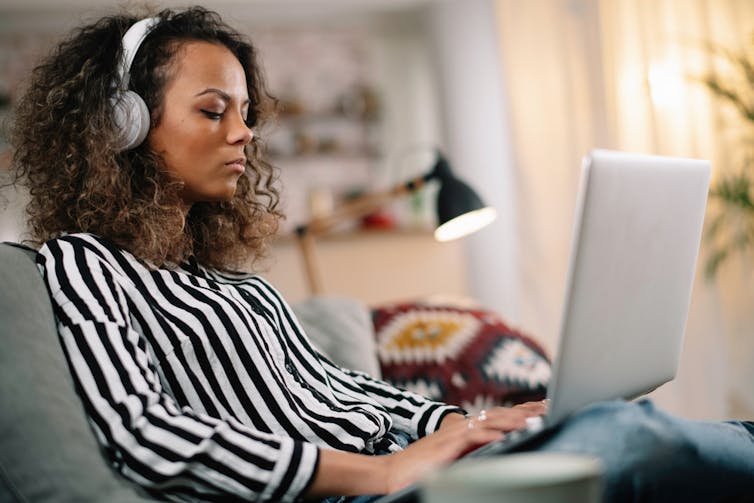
<point>345,473</point>
<point>456,436</point>
<point>506,418</point>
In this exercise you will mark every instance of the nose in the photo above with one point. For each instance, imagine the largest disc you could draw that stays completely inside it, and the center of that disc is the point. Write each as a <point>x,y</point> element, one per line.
<point>239,132</point>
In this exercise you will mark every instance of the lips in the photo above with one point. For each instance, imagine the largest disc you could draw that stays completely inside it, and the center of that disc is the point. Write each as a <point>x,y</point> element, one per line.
<point>237,164</point>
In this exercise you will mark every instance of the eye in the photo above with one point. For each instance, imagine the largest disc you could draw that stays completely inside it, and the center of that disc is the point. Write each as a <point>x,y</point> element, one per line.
<point>213,115</point>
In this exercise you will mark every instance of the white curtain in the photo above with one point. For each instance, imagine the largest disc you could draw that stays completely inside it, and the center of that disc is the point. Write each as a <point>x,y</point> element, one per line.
<point>621,74</point>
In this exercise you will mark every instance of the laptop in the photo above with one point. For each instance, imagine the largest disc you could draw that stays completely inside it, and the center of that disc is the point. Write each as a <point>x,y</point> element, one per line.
<point>635,242</point>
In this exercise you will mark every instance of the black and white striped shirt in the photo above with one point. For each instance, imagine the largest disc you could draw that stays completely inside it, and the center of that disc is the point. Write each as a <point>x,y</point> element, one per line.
<point>203,386</point>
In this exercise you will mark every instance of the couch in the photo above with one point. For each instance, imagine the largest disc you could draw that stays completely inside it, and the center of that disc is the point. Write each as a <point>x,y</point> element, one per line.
<point>48,452</point>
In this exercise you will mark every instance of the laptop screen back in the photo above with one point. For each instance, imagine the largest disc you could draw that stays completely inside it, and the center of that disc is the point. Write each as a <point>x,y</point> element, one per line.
<point>634,250</point>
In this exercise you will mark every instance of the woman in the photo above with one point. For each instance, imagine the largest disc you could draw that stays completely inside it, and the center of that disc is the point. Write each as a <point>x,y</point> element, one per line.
<point>197,380</point>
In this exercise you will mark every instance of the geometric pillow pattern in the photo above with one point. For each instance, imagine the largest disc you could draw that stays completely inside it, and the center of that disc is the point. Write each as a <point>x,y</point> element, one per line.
<point>465,357</point>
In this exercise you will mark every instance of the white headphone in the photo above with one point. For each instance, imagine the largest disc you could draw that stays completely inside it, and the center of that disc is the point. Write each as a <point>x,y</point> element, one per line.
<point>130,113</point>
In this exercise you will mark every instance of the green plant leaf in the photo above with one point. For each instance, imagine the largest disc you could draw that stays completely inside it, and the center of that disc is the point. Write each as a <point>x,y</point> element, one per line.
<point>731,229</point>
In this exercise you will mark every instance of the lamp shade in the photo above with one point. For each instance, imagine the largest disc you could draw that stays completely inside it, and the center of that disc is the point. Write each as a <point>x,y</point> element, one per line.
<point>460,211</point>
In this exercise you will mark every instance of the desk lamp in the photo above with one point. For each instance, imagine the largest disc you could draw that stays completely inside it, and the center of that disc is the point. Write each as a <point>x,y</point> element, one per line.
<point>460,212</point>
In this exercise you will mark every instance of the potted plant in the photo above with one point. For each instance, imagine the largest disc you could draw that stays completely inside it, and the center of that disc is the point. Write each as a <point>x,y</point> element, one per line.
<point>731,220</point>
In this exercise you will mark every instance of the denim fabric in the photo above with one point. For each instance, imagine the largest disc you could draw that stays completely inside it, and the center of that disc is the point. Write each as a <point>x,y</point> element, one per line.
<point>400,438</point>
<point>650,455</point>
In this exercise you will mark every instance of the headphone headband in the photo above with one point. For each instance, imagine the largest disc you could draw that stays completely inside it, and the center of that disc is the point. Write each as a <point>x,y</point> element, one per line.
<point>130,113</point>
<point>131,42</point>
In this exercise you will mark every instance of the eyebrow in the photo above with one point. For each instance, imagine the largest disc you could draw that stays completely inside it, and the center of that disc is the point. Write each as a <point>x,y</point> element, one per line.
<point>223,95</point>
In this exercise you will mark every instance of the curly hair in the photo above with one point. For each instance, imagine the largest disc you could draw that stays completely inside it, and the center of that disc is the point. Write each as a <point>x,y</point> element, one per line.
<point>66,152</point>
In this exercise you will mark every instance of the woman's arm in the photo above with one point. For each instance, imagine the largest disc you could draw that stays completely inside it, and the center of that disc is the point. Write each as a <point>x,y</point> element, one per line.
<point>354,474</point>
<point>411,412</point>
<point>147,436</point>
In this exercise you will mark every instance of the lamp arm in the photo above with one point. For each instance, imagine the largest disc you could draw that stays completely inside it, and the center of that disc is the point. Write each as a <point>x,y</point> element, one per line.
<point>356,208</point>
<point>455,199</point>
<point>360,206</point>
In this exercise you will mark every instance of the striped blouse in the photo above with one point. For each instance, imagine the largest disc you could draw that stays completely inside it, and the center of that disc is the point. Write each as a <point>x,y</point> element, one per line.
<point>203,386</point>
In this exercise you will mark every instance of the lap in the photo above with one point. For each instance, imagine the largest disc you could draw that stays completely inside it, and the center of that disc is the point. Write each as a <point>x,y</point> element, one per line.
<point>651,455</point>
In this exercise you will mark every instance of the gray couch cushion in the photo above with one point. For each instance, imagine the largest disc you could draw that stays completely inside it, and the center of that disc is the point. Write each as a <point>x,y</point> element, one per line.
<point>342,329</point>
<point>47,450</point>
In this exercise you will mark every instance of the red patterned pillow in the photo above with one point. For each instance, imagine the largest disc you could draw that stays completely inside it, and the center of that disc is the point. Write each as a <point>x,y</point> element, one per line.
<point>465,357</point>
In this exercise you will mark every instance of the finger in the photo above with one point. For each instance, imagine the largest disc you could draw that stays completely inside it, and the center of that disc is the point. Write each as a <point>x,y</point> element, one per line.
<point>493,422</point>
<point>505,419</point>
<point>481,437</point>
<point>535,408</point>
<point>480,433</point>
<point>532,405</point>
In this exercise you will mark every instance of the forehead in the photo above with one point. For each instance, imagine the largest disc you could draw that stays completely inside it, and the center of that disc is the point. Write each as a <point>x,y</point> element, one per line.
<point>198,65</point>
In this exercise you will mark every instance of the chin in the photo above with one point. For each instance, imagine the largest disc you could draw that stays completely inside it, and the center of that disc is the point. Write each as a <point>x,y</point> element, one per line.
<point>224,196</point>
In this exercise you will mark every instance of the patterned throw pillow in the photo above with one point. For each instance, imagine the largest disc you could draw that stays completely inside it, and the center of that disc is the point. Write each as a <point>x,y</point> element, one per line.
<point>465,357</point>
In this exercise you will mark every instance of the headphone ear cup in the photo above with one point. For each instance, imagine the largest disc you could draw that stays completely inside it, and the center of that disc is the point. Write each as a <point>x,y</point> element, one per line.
<point>131,118</point>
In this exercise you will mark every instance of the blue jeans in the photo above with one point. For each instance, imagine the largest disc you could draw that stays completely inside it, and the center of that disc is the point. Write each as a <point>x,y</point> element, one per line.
<point>650,455</point>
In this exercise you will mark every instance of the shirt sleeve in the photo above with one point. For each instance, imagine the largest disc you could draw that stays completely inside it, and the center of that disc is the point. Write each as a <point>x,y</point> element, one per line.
<point>144,433</point>
<point>411,412</point>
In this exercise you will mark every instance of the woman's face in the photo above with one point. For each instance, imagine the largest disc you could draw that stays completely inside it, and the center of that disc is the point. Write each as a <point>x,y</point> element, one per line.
<point>202,132</point>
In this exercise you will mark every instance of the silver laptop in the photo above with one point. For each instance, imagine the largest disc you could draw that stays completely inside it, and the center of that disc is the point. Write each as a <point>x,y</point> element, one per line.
<point>636,235</point>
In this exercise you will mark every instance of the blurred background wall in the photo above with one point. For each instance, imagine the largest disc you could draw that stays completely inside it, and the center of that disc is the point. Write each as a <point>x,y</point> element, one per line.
<point>515,93</point>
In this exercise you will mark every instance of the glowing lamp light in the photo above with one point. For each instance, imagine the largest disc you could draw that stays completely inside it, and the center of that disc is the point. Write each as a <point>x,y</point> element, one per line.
<point>465,224</point>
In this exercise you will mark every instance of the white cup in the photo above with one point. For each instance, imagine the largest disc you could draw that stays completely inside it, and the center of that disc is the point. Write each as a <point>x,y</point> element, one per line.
<point>534,477</point>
